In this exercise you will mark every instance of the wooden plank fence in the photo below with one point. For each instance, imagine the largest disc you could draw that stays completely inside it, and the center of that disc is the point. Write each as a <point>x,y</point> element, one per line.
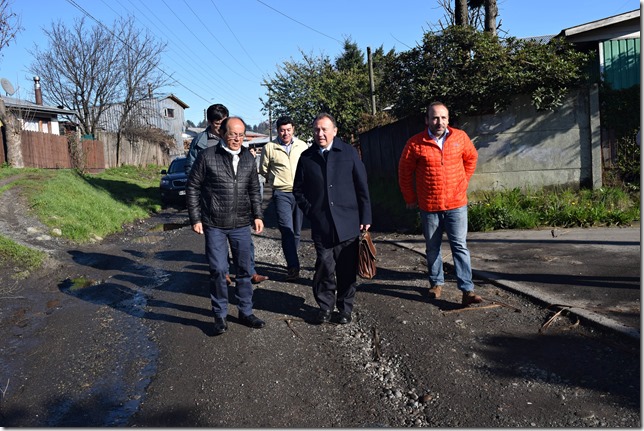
<point>44,150</point>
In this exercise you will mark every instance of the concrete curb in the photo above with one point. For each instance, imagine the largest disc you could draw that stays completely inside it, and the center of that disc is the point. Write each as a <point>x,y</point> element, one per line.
<point>595,318</point>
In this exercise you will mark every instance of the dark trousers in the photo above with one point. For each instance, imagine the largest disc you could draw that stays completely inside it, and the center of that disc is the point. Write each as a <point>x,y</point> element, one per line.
<point>334,282</point>
<point>217,241</point>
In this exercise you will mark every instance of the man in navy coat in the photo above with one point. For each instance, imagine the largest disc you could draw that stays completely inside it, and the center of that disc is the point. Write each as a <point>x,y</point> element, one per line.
<point>330,187</point>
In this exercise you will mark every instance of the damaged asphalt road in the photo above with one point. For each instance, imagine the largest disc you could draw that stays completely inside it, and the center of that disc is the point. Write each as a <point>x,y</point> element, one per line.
<point>118,333</point>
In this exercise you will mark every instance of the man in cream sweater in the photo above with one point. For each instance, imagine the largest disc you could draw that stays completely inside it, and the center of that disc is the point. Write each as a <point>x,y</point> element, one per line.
<point>278,164</point>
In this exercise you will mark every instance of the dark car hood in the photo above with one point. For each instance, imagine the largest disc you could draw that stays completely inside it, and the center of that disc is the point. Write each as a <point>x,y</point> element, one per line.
<point>175,176</point>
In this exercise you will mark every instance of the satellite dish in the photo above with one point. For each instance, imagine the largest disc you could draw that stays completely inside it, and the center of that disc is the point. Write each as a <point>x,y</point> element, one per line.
<point>6,85</point>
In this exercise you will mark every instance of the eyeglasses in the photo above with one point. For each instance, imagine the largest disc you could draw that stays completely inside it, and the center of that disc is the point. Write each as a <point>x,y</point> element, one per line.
<point>231,135</point>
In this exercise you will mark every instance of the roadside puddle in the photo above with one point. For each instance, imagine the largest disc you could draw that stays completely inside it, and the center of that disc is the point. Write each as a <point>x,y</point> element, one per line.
<point>163,227</point>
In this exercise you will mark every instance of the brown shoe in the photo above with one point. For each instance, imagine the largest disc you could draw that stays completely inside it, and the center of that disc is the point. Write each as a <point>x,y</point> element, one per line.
<point>470,298</point>
<point>256,278</point>
<point>228,280</point>
<point>435,291</point>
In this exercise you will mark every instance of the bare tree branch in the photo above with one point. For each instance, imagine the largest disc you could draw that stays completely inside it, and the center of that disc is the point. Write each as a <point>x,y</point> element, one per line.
<point>9,24</point>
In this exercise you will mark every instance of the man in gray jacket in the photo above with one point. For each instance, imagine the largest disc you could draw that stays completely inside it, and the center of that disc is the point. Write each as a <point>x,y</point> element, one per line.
<point>223,203</point>
<point>215,115</point>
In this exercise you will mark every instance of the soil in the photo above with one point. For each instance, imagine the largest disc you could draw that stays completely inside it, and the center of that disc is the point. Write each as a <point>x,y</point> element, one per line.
<point>119,333</point>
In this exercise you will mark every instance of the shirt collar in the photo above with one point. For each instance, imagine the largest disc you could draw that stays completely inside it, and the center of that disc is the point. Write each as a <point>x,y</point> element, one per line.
<point>431,135</point>
<point>283,143</point>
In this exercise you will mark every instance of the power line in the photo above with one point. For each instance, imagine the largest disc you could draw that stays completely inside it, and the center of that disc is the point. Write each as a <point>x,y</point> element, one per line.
<point>234,57</point>
<point>302,24</point>
<point>77,6</point>
<point>233,33</point>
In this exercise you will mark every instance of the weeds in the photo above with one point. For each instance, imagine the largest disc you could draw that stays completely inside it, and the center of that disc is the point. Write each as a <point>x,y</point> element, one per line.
<point>515,209</point>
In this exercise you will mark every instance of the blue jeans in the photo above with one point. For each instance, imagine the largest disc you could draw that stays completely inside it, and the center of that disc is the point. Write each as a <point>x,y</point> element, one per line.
<point>217,241</point>
<point>454,224</point>
<point>289,220</point>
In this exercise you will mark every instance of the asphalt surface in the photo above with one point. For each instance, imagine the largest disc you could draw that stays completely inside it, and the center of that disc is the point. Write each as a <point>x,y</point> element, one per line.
<point>593,273</point>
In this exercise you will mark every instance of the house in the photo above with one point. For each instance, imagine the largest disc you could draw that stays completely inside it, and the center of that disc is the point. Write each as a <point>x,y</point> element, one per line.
<point>615,40</point>
<point>166,113</point>
<point>34,116</point>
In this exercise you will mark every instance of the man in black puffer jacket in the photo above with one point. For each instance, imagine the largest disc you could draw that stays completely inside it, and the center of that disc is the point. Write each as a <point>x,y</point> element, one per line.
<point>223,202</point>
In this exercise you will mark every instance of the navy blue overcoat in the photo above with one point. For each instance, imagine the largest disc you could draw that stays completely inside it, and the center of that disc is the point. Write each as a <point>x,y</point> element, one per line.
<point>333,195</point>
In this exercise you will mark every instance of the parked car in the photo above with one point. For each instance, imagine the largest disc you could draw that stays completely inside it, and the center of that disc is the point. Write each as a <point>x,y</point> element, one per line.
<point>173,183</point>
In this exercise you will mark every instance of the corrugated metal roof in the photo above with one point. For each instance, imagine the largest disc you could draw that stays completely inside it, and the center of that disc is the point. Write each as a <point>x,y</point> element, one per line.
<point>26,105</point>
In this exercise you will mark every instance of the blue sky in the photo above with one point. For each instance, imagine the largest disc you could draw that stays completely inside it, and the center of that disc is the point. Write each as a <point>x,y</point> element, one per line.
<point>219,51</point>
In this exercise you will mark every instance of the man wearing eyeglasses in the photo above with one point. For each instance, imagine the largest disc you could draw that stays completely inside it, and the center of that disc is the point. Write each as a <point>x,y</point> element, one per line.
<point>223,203</point>
<point>215,115</point>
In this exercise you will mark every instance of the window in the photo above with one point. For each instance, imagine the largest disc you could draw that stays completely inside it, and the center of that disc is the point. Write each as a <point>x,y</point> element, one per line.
<point>169,112</point>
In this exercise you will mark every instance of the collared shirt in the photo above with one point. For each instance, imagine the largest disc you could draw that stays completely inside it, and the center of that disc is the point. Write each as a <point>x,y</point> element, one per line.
<point>438,140</point>
<point>287,147</point>
<point>322,150</point>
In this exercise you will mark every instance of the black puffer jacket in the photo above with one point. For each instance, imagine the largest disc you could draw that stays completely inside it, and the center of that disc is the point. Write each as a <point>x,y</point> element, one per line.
<point>216,196</point>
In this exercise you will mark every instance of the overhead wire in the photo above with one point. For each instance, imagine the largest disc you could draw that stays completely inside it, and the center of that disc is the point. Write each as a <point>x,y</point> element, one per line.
<point>300,23</point>
<point>125,43</point>
<point>250,57</point>
<point>207,27</point>
<point>181,58</point>
<point>207,79</point>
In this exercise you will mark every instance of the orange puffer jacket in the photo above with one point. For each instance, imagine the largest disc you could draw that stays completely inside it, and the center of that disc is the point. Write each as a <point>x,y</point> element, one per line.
<point>437,180</point>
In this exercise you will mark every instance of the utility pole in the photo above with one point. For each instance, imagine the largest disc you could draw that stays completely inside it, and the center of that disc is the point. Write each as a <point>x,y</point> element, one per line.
<point>371,83</point>
<point>270,118</point>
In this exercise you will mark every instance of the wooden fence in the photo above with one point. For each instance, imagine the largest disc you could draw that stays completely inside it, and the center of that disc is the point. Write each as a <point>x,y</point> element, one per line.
<point>44,150</point>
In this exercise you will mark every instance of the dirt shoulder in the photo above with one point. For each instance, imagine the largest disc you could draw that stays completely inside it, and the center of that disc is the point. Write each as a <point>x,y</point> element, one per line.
<point>134,347</point>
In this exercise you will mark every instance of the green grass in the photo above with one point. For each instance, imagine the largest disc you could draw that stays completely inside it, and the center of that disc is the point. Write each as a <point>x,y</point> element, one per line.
<point>560,207</point>
<point>22,259</point>
<point>89,206</point>
<point>82,206</point>
<point>517,209</point>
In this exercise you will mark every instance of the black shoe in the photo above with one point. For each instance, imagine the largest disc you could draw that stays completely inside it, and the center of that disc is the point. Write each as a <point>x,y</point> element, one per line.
<point>344,318</point>
<point>323,316</point>
<point>252,321</point>
<point>293,274</point>
<point>220,325</point>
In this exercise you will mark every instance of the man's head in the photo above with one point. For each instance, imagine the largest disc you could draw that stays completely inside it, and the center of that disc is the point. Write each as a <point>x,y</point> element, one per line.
<point>324,129</point>
<point>437,118</point>
<point>285,129</point>
<point>215,114</point>
<point>233,130</point>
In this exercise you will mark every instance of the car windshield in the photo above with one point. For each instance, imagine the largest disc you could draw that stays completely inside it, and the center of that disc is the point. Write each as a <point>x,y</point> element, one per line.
<point>178,165</point>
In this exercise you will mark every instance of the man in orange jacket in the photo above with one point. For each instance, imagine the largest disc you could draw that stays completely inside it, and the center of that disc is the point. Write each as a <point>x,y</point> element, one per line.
<point>433,174</point>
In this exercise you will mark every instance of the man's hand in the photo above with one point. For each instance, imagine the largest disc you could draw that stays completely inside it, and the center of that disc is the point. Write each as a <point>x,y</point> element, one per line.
<point>198,227</point>
<point>259,225</point>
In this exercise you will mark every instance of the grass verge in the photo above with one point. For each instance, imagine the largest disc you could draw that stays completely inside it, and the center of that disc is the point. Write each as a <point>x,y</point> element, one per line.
<point>22,259</point>
<point>85,207</point>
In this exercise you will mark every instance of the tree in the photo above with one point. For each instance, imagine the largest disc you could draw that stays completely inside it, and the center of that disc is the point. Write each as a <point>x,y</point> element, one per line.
<point>480,14</point>
<point>303,90</point>
<point>9,24</point>
<point>139,63</point>
<point>316,84</point>
<point>491,12</point>
<point>90,69</point>
<point>486,79</point>
<point>460,13</point>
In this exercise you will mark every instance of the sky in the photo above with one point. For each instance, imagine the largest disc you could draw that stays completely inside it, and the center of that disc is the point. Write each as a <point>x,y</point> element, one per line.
<point>221,51</point>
